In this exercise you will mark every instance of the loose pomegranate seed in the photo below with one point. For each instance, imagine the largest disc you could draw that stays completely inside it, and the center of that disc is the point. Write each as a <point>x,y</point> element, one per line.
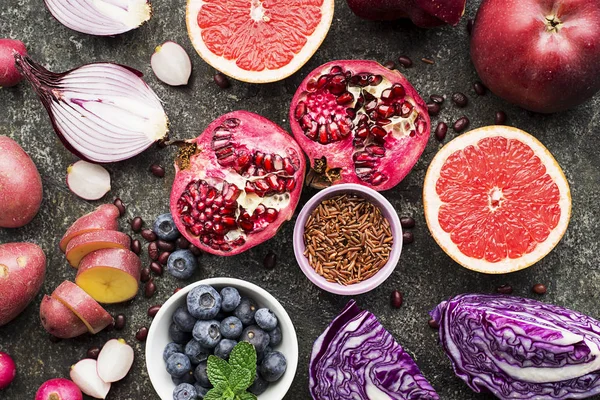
<point>148,235</point>
<point>405,61</point>
<point>500,118</point>
<point>504,289</point>
<point>433,324</point>
<point>120,205</point>
<point>407,222</point>
<point>142,334</point>
<point>436,98</point>
<point>461,124</point>
<point>120,321</point>
<point>136,247</point>
<point>157,170</point>
<point>145,275</point>
<point>469,26</point>
<point>150,289</point>
<point>539,288</point>
<point>136,224</point>
<point>164,257</point>
<point>480,89</point>
<point>182,243</point>
<point>153,310</point>
<point>156,268</point>
<point>396,299</point>
<point>407,237</point>
<point>222,81</point>
<point>93,352</point>
<point>460,99</point>
<point>441,130</point>
<point>433,108</point>
<point>165,246</point>
<point>153,251</point>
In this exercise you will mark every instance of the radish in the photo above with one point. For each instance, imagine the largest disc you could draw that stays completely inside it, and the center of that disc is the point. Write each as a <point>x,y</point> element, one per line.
<point>115,360</point>
<point>88,181</point>
<point>85,375</point>
<point>58,389</point>
<point>9,74</point>
<point>8,370</point>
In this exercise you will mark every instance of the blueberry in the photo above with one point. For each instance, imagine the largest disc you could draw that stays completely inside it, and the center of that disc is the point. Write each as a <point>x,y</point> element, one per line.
<point>184,391</point>
<point>170,349</point>
<point>203,302</point>
<point>177,335</point>
<point>265,319</point>
<point>196,352</point>
<point>200,391</point>
<point>258,386</point>
<point>182,264</point>
<point>260,356</point>
<point>207,333</point>
<point>201,375</point>
<point>231,299</point>
<point>256,337</point>
<point>224,348</point>
<point>178,365</point>
<point>231,328</point>
<point>245,311</point>
<point>273,366</point>
<point>275,336</point>
<point>183,319</point>
<point>188,377</point>
<point>165,228</point>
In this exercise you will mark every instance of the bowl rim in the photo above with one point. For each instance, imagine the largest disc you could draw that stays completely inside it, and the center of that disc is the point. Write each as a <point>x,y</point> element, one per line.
<point>387,210</point>
<point>151,356</point>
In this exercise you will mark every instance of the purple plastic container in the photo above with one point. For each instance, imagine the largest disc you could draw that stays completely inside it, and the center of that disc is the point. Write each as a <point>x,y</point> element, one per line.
<point>388,212</point>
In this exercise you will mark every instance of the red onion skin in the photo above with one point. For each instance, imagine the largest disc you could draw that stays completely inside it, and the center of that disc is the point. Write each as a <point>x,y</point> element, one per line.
<point>9,74</point>
<point>8,370</point>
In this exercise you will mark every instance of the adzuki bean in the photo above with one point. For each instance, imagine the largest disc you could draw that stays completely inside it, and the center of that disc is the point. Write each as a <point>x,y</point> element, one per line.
<point>142,334</point>
<point>500,118</point>
<point>460,99</point>
<point>182,243</point>
<point>469,26</point>
<point>270,260</point>
<point>195,251</point>
<point>163,245</point>
<point>433,108</point>
<point>539,288</point>
<point>156,268</point>
<point>407,237</point>
<point>389,64</point>
<point>153,310</point>
<point>480,89</point>
<point>441,130</point>
<point>145,275</point>
<point>93,352</point>
<point>433,324</point>
<point>504,289</point>
<point>222,81</point>
<point>461,124</point>
<point>150,289</point>
<point>405,61</point>
<point>436,98</point>
<point>136,224</point>
<point>164,257</point>
<point>120,321</point>
<point>407,222</point>
<point>120,205</point>
<point>157,170</point>
<point>396,299</point>
<point>153,251</point>
<point>136,247</point>
<point>148,235</point>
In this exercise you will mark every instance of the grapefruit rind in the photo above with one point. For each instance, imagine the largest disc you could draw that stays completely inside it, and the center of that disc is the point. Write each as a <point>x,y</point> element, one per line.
<point>229,67</point>
<point>432,202</point>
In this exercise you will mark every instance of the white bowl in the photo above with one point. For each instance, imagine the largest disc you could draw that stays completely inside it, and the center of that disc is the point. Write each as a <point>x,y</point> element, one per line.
<point>158,337</point>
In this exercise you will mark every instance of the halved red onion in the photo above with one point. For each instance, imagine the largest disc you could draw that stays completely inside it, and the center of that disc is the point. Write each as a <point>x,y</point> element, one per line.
<point>102,112</point>
<point>100,17</point>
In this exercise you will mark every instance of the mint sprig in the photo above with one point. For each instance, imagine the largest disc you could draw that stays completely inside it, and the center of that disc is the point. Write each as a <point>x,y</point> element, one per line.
<point>231,379</point>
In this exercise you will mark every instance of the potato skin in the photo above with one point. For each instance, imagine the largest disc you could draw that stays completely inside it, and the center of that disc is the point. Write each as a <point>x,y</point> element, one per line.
<point>59,321</point>
<point>20,185</point>
<point>22,272</point>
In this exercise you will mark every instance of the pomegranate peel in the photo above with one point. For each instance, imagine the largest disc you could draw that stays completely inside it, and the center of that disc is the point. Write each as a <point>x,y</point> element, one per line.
<point>359,122</point>
<point>236,183</point>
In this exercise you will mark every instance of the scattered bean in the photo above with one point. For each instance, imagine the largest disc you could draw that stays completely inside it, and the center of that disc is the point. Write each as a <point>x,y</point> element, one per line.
<point>195,251</point>
<point>539,288</point>
<point>427,60</point>
<point>433,324</point>
<point>436,98</point>
<point>153,310</point>
<point>389,64</point>
<point>93,352</point>
<point>504,289</point>
<point>145,275</point>
<point>120,321</point>
<point>500,118</point>
<point>407,222</point>
<point>156,268</point>
<point>270,260</point>
<point>460,99</point>
<point>136,247</point>
<point>461,124</point>
<point>157,170</point>
<point>407,237</point>
<point>164,257</point>
<point>120,205</point>
<point>182,243</point>
<point>164,245</point>
<point>433,108</point>
<point>469,26</point>
<point>176,290</point>
<point>405,61</point>
<point>142,334</point>
<point>148,235</point>
<point>153,251</point>
<point>222,81</point>
<point>441,130</point>
<point>136,224</point>
<point>480,89</point>
<point>150,289</point>
<point>396,299</point>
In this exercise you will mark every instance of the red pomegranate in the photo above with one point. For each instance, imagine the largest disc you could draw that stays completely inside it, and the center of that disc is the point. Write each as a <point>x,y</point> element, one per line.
<point>359,122</point>
<point>236,183</point>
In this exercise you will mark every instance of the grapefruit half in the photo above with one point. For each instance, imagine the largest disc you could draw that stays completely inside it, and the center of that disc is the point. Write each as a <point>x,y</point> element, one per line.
<point>258,41</point>
<point>496,200</point>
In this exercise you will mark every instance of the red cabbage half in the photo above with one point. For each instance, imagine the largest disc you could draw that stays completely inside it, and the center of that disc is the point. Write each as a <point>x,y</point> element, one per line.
<point>520,348</point>
<point>357,359</point>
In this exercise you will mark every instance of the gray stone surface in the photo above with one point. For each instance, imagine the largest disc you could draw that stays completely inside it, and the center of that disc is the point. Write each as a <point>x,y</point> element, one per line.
<point>424,274</point>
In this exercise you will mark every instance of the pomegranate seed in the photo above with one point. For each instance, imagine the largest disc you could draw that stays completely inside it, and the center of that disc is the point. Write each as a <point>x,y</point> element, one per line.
<point>406,109</point>
<point>247,226</point>
<point>436,98</point>
<point>441,130</point>
<point>405,61</point>
<point>268,163</point>
<point>288,167</point>
<point>407,237</point>
<point>300,110</point>
<point>407,222</point>
<point>323,137</point>
<point>362,132</point>
<point>385,111</point>
<point>290,184</point>
<point>378,178</point>
<point>480,89</point>
<point>375,80</point>
<point>539,288</point>
<point>337,85</point>
<point>433,108</point>
<point>335,70</point>
<point>375,150</point>
<point>120,321</point>
<point>120,205</point>
<point>259,158</point>
<point>271,215</point>
<point>461,124</point>
<point>378,131</point>
<point>153,310</point>
<point>142,334</point>
<point>398,91</point>
<point>500,118</point>
<point>504,289</point>
<point>221,80</point>
<point>157,170</point>
<point>311,85</point>
<point>345,98</point>
<point>322,81</point>
<point>460,99</point>
<point>386,95</point>
<point>396,299</point>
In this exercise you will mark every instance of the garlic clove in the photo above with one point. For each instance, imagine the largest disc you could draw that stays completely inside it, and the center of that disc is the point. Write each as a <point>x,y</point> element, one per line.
<point>88,181</point>
<point>115,360</point>
<point>171,64</point>
<point>84,374</point>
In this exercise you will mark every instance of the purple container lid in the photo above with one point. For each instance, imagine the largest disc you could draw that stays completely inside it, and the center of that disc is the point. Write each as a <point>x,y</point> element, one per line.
<point>388,212</point>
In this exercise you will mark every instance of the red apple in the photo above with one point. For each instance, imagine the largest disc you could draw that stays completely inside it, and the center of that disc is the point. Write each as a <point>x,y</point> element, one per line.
<point>423,13</point>
<point>543,55</point>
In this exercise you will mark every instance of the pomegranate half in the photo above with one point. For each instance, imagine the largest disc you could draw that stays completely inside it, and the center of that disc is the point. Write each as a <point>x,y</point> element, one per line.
<point>359,122</point>
<point>236,183</point>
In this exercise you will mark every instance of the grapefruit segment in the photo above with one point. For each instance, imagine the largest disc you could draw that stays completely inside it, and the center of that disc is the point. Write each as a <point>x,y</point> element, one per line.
<point>496,200</point>
<point>258,41</point>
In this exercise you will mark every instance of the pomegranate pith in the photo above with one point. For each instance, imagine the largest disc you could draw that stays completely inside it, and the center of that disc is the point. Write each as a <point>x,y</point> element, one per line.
<point>359,122</point>
<point>236,183</point>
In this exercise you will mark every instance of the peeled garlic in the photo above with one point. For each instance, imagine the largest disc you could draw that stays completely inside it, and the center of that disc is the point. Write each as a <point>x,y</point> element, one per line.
<point>171,64</point>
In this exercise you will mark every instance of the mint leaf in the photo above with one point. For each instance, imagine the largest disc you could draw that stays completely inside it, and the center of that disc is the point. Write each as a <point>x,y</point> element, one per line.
<point>218,371</point>
<point>240,379</point>
<point>245,396</point>
<point>213,394</point>
<point>243,356</point>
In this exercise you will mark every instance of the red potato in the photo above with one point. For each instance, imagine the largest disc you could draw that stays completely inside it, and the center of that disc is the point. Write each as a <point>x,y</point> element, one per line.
<point>9,74</point>
<point>22,272</point>
<point>20,185</point>
<point>84,244</point>
<point>59,321</point>
<point>86,308</point>
<point>102,218</point>
<point>110,275</point>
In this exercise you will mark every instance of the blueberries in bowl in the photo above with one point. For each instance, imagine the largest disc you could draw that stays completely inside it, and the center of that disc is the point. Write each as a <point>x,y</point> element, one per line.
<point>170,349</point>
<point>207,333</point>
<point>178,365</point>
<point>231,327</point>
<point>183,319</point>
<point>182,264</point>
<point>224,348</point>
<point>184,391</point>
<point>275,336</point>
<point>196,352</point>
<point>273,366</point>
<point>165,228</point>
<point>246,310</point>
<point>230,299</point>
<point>177,335</point>
<point>201,375</point>
<point>203,302</point>
<point>265,319</point>
<point>256,337</point>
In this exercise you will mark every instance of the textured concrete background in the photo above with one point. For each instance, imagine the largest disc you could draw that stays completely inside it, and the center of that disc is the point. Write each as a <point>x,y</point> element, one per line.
<point>425,274</point>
